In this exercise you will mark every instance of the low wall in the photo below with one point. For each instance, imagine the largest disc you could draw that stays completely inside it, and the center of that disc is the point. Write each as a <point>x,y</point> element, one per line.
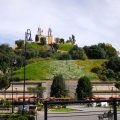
<point>99,88</point>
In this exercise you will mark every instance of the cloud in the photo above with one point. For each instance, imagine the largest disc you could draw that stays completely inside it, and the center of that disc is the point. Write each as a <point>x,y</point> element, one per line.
<point>91,21</point>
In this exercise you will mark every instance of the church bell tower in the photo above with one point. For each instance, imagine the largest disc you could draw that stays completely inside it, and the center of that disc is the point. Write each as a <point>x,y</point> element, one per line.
<point>50,38</point>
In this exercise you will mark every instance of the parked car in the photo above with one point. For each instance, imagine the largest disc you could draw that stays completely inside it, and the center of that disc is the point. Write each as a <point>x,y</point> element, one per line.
<point>27,108</point>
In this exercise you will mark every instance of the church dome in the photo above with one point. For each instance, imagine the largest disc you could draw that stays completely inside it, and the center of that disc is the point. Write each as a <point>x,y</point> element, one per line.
<point>42,33</point>
<point>39,29</point>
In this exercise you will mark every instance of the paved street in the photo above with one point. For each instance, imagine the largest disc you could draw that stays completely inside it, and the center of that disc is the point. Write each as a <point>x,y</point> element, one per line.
<point>83,113</point>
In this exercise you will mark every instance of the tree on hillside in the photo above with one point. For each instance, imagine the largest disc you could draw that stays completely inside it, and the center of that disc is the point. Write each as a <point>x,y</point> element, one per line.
<point>114,64</point>
<point>117,84</point>
<point>57,40</point>
<point>77,53</point>
<point>110,51</point>
<point>55,46</point>
<point>43,40</point>
<point>36,38</point>
<point>100,51</point>
<point>19,43</point>
<point>65,56</point>
<point>73,39</point>
<point>84,88</point>
<point>5,48</point>
<point>96,52</point>
<point>58,87</point>
<point>62,40</point>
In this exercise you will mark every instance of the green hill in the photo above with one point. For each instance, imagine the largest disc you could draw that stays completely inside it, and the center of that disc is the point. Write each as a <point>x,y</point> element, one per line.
<point>65,47</point>
<point>70,69</point>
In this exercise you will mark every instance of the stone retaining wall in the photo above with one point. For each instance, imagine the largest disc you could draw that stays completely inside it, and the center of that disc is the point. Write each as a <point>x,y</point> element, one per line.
<point>99,88</point>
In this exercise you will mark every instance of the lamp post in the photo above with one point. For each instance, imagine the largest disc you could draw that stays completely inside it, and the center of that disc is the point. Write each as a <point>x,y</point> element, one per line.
<point>11,66</point>
<point>112,91</point>
<point>16,92</point>
<point>27,38</point>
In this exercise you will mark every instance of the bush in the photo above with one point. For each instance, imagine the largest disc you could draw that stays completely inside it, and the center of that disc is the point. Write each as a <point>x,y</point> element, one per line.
<point>97,69</point>
<point>51,106</point>
<point>103,77</point>
<point>18,117</point>
<point>16,79</point>
<point>40,107</point>
<point>63,106</point>
<point>23,118</point>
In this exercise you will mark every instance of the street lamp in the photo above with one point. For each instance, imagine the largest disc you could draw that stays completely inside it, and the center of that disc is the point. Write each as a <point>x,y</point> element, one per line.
<point>12,62</point>
<point>112,91</point>
<point>27,38</point>
<point>16,92</point>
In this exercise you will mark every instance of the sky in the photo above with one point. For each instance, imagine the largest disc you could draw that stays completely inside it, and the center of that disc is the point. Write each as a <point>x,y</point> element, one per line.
<point>90,21</point>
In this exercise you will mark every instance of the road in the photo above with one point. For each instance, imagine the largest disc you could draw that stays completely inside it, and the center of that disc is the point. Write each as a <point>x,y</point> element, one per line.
<point>83,113</point>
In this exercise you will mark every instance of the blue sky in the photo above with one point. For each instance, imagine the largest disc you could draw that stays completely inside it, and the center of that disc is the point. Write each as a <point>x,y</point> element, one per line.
<point>91,21</point>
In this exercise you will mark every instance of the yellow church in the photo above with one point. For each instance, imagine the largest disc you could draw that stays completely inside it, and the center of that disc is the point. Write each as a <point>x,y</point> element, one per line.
<point>41,34</point>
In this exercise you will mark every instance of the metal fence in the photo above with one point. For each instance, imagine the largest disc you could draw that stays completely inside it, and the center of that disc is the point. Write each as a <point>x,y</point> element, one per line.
<point>113,101</point>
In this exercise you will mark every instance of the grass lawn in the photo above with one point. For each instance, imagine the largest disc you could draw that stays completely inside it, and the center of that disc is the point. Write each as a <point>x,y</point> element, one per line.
<point>62,110</point>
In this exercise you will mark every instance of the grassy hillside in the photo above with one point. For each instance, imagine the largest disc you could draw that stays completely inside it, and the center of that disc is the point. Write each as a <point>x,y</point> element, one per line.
<point>37,46</point>
<point>65,47</point>
<point>71,69</point>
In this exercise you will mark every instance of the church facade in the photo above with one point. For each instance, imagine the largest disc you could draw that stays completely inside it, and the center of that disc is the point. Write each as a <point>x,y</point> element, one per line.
<point>40,34</point>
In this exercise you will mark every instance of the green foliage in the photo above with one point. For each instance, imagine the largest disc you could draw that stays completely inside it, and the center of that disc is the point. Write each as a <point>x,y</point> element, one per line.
<point>40,107</point>
<point>16,79</point>
<point>4,82</point>
<point>4,62</point>
<point>57,55</point>
<point>5,49</point>
<point>114,64</point>
<point>57,40</point>
<point>39,90</point>
<point>100,51</point>
<point>36,46</point>
<point>117,85</point>
<point>62,40</point>
<point>36,38</point>
<point>65,56</point>
<point>19,43</point>
<point>84,88</point>
<point>48,53</point>
<point>97,69</point>
<point>77,52</point>
<point>65,47</point>
<point>84,57</point>
<point>18,116</point>
<point>58,87</point>
<point>3,101</point>
<point>43,40</point>
<point>95,52</point>
<point>103,77</point>
<point>55,46</point>
<point>110,51</point>
<point>110,73</point>
<point>47,69</point>
<point>61,109</point>
<point>104,73</point>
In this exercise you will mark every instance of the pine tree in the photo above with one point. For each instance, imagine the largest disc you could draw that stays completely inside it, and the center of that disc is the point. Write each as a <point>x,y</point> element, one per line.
<point>58,87</point>
<point>84,88</point>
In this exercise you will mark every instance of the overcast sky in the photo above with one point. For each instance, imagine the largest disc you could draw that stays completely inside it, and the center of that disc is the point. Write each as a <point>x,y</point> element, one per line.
<point>90,21</point>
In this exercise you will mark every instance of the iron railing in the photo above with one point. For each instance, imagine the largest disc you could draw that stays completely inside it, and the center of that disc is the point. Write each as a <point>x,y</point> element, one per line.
<point>113,101</point>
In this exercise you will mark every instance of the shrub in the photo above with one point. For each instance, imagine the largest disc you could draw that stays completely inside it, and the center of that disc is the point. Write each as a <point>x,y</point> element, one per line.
<point>103,77</point>
<point>63,106</point>
<point>23,118</point>
<point>97,69</point>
